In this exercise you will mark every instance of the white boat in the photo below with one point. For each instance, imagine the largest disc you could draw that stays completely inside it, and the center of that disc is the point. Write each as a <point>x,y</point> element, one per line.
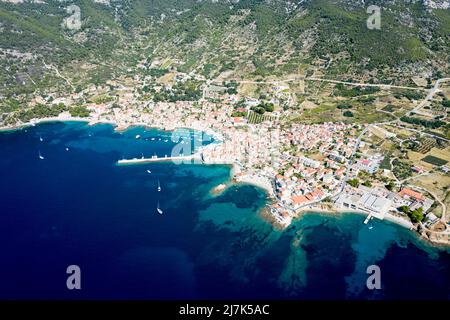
<point>159,139</point>
<point>153,139</point>
<point>67,149</point>
<point>148,171</point>
<point>41,139</point>
<point>159,187</point>
<point>138,136</point>
<point>371,227</point>
<point>40,156</point>
<point>159,209</point>
<point>166,140</point>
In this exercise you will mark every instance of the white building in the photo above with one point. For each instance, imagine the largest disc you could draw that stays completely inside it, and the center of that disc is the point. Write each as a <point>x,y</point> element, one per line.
<point>309,162</point>
<point>365,202</point>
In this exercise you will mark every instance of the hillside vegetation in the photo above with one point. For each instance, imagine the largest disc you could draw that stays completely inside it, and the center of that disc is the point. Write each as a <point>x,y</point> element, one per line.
<point>246,39</point>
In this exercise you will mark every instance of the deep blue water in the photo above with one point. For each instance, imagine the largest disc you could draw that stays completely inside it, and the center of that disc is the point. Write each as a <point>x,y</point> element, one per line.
<point>78,207</point>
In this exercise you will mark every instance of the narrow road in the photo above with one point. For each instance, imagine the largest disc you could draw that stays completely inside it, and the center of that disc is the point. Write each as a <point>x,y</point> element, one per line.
<point>429,96</point>
<point>416,176</point>
<point>360,84</point>
<point>52,67</point>
<point>350,162</point>
<point>418,131</point>
<point>357,84</point>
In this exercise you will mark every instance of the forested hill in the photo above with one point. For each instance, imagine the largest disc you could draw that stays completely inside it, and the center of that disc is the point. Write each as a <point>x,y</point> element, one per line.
<point>247,39</point>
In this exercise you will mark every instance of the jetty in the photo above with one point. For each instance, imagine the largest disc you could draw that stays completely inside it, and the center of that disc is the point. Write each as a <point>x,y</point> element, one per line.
<point>368,219</point>
<point>193,157</point>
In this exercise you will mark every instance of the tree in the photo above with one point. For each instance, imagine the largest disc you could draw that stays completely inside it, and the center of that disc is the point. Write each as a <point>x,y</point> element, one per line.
<point>404,209</point>
<point>348,114</point>
<point>446,103</point>
<point>79,111</point>
<point>353,182</point>
<point>416,215</point>
<point>269,107</point>
<point>263,107</point>
<point>433,124</point>
<point>367,184</point>
<point>390,186</point>
<point>258,109</point>
<point>239,114</point>
<point>344,106</point>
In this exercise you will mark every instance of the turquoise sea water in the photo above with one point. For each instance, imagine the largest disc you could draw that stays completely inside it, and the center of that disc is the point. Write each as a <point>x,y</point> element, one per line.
<point>78,207</point>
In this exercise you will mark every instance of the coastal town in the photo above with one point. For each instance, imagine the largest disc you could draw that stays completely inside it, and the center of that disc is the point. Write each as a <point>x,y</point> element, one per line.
<point>303,167</point>
<point>214,150</point>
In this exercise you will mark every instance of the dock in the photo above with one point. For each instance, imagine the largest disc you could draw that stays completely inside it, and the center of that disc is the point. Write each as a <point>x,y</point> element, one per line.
<point>159,159</point>
<point>368,219</point>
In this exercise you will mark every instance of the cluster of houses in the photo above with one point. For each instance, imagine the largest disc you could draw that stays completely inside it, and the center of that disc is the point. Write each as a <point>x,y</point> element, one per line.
<point>302,163</point>
<point>369,164</point>
<point>336,138</point>
<point>304,180</point>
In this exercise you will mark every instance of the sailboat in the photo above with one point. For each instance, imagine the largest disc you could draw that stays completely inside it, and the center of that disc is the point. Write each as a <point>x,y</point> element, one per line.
<point>159,186</point>
<point>159,209</point>
<point>40,156</point>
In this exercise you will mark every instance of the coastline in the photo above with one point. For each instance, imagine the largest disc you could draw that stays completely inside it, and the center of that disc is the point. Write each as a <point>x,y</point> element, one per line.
<point>61,118</point>
<point>331,210</point>
<point>255,180</point>
<point>93,121</point>
<point>35,122</point>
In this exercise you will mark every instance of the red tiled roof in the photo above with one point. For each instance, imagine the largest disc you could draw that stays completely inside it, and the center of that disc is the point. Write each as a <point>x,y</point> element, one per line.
<point>318,193</point>
<point>309,196</point>
<point>299,199</point>
<point>412,194</point>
